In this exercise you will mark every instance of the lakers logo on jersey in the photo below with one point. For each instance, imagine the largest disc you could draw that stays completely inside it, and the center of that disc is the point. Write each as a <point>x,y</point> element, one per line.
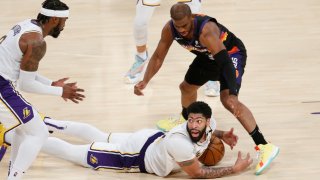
<point>93,159</point>
<point>26,112</point>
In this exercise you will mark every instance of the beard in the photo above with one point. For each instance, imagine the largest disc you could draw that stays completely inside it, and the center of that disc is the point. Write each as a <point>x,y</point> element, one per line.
<point>55,32</point>
<point>196,139</point>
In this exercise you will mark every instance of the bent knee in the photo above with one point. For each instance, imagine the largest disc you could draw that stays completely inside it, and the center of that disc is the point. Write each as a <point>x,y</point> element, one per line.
<point>228,103</point>
<point>188,88</point>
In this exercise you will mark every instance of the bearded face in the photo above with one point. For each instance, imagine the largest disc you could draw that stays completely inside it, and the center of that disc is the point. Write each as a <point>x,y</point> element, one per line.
<point>196,134</point>
<point>55,32</point>
<point>196,127</point>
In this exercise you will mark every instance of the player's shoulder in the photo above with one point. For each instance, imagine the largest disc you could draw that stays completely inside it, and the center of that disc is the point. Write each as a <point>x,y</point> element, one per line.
<point>178,140</point>
<point>32,39</point>
<point>167,26</point>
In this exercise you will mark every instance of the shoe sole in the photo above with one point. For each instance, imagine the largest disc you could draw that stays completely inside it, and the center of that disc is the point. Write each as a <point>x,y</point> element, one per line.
<point>134,80</point>
<point>161,129</point>
<point>212,95</point>
<point>275,153</point>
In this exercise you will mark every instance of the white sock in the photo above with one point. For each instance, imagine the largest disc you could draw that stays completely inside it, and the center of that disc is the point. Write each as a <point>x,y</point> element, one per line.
<point>81,130</point>
<point>64,150</point>
<point>32,135</point>
<point>143,55</point>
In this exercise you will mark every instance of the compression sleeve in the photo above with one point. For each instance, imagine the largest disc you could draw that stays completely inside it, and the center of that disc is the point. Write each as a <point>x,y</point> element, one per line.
<point>226,65</point>
<point>27,82</point>
<point>43,79</point>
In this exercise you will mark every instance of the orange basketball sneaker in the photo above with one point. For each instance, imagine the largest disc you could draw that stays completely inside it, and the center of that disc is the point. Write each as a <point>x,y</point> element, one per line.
<point>267,152</point>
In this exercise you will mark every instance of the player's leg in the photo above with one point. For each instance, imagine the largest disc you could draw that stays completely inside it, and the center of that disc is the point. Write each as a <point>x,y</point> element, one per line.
<point>64,150</point>
<point>77,129</point>
<point>194,79</point>
<point>127,155</point>
<point>78,153</point>
<point>144,11</point>
<point>117,138</point>
<point>267,150</point>
<point>211,88</point>
<point>32,135</point>
<point>16,113</point>
<point>195,5</point>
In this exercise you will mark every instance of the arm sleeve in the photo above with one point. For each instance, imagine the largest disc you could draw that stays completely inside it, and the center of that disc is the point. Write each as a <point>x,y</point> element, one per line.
<point>27,82</point>
<point>227,67</point>
<point>43,79</point>
<point>180,148</point>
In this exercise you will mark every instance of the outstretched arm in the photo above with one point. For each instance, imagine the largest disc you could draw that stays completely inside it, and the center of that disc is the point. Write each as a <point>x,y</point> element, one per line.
<point>156,59</point>
<point>33,48</point>
<point>193,168</point>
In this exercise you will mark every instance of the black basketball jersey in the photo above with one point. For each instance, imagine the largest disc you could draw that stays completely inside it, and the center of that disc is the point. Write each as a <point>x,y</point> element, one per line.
<point>230,41</point>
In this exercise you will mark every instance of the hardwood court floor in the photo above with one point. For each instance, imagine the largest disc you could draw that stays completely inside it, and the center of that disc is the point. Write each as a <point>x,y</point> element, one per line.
<point>280,85</point>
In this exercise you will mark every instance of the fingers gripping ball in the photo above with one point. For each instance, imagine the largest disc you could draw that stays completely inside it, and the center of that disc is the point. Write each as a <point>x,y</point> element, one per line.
<point>214,153</point>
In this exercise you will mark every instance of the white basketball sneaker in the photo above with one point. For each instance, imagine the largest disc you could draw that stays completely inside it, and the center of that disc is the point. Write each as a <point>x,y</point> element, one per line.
<point>212,88</point>
<point>136,72</point>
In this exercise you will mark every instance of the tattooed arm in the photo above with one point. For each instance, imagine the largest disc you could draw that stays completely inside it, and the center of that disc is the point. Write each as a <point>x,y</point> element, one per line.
<point>195,170</point>
<point>33,48</point>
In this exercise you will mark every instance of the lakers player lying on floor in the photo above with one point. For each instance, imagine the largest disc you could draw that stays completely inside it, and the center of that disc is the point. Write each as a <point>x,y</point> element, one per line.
<point>149,150</point>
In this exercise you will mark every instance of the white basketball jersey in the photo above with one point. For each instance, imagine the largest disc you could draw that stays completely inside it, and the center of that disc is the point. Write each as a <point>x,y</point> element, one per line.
<point>10,52</point>
<point>162,156</point>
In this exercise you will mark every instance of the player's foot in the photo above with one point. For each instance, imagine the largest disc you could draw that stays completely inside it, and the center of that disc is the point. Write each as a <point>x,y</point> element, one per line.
<point>169,123</point>
<point>3,145</point>
<point>135,74</point>
<point>212,88</point>
<point>267,153</point>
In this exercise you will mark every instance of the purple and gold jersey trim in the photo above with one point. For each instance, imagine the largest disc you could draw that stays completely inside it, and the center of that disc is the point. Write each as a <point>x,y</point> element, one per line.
<point>14,102</point>
<point>118,160</point>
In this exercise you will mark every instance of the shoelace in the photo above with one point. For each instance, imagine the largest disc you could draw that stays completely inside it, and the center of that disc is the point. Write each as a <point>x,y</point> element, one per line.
<point>260,153</point>
<point>136,64</point>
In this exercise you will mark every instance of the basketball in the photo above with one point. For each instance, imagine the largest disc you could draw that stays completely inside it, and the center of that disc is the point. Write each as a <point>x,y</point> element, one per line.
<point>214,153</point>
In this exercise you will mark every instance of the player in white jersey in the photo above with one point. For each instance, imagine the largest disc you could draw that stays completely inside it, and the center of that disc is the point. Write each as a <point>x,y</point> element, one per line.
<point>21,50</point>
<point>144,12</point>
<point>152,151</point>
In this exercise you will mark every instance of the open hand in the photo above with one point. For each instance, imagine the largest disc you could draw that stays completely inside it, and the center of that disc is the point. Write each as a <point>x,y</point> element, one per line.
<point>229,138</point>
<point>242,164</point>
<point>72,92</point>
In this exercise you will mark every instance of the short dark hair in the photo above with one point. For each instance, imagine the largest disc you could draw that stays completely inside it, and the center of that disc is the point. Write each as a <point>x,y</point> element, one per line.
<point>180,10</point>
<point>53,5</point>
<point>200,107</point>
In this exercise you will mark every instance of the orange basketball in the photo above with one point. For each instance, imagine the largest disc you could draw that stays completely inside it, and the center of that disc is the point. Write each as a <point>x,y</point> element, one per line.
<point>214,153</point>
